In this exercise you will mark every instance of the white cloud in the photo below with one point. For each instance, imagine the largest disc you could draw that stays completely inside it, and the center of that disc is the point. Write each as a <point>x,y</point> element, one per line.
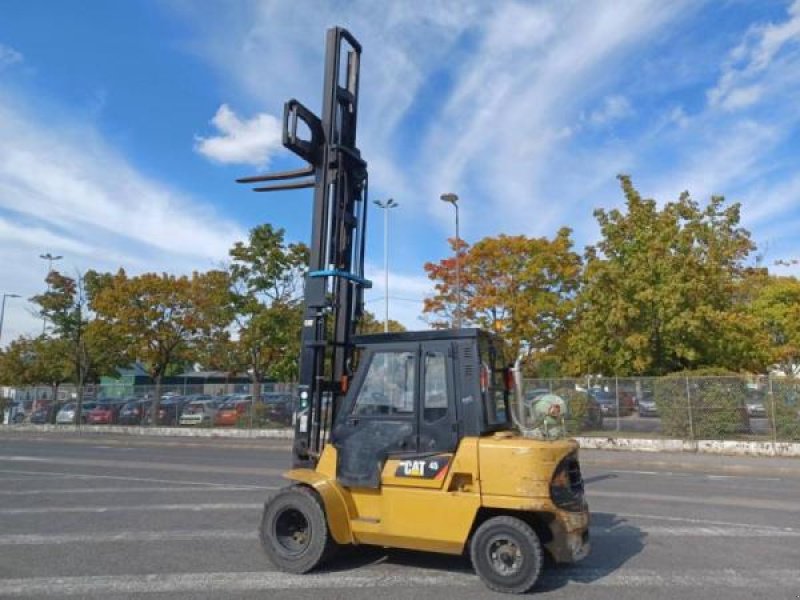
<point>614,108</point>
<point>750,62</point>
<point>493,134</point>
<point>407,294</point>
<point>254,141</point>
<point>64,190</point>
<point>9,56</point>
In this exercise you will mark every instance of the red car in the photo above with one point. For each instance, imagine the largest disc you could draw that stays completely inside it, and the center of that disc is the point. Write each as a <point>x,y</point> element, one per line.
<point>230,412</point>
<point>105,413</point>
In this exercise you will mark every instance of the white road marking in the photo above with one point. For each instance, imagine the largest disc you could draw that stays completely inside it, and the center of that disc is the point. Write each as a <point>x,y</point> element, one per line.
<point>641,472</point>
<point>693,531</point>
<point>145,465</point>
<point>761,503</point>
<point>695,475</point>
<point>621,530</point>
<point>122,478</point>
<point>129,490</point>
<point>701,521</point>
<point>776,579</point>
<point>137,508</point>
<point>126,536</point>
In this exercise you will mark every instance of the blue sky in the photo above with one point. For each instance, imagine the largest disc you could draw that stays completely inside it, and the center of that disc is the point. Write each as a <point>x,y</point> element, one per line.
<point>124,124</point>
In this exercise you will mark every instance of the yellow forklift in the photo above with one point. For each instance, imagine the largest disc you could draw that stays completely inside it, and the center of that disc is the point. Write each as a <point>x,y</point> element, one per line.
<point>403,440</point>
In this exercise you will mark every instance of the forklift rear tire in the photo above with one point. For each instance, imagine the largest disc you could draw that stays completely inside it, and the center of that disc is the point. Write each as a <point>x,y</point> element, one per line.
<point>506,555</point>
<point>294,530</point>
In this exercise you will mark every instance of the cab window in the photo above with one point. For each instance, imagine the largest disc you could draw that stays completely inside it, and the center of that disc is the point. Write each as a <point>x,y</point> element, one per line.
<point>434,401</point>
<point>388,387</point>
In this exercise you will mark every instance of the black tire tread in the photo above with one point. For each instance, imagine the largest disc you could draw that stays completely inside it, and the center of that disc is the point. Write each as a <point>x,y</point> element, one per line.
<point>311,504</point>
<point>526,532</point>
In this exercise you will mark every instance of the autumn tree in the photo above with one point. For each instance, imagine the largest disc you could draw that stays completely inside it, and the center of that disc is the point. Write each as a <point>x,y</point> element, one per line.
<point>370,324</point>
<point>265,297</point>
<point>91,346</point>
<point>162,318</point>
<point>658,290</point>
<point>517,286</point>
<point>776,307</point>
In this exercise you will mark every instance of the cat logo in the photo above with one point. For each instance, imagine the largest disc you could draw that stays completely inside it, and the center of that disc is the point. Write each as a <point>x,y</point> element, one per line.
<point>432,468</point>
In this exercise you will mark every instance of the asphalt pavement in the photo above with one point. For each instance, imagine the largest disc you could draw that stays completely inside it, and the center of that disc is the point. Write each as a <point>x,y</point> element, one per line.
<point>114,517</point>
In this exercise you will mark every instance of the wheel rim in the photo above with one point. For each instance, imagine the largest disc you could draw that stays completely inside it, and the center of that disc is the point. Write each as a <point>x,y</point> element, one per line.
<point>292,531</point>
<point>504,555</point>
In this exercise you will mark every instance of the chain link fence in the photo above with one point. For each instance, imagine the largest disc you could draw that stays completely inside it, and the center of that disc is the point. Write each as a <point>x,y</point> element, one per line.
<point>226,405</point>
<point>757,408</point>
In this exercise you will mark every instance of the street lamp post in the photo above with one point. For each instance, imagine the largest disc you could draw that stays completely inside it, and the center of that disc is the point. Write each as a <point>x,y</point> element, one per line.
<point>390,203</point>
<point>3,311</point>
<point>50,260</point>
<point>453,199</point>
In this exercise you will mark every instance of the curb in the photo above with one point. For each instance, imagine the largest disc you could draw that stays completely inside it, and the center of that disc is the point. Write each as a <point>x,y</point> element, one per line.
<point>718,447</point>
<point>714,447</point>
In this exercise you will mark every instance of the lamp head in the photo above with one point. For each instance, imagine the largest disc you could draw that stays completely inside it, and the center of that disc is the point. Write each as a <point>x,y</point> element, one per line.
<point>451,198</point>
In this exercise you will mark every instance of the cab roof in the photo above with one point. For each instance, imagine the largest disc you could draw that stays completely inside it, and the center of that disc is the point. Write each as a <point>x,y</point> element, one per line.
<point>430,335</point>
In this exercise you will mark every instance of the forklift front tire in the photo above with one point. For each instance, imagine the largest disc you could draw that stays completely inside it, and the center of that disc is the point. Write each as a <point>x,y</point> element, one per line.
<point>507,555</point>
<point>294,531</point>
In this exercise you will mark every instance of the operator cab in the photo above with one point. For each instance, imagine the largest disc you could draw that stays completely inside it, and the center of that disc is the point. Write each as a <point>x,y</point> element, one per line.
<point>416,394</point>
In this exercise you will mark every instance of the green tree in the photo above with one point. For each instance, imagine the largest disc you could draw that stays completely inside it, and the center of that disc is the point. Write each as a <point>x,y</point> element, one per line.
<point>162,318</point>
<point>370,324</point>
<point>92,347</point>
<point>265,300</point>
<point>776,307</point>
<point>520,287</point>
<point>659,290</point>
<point>36,361</point>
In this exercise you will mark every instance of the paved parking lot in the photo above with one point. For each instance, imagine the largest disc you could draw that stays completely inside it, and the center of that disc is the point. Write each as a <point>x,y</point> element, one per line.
<point>113,517</point>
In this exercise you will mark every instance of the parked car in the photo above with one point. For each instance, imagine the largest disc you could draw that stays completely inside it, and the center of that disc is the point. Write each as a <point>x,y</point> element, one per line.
<point>608,402</point>
<point>755,404</point>
<point>278,407</point>
<point>46,413</point>
<point>230,412</point>
<point>169,411</point>
<point>16,412</point>
<point>647,406</point>
<point>199,412</point>
<point>105,413</point>
<point>133,412</point>
<point>68,413</point>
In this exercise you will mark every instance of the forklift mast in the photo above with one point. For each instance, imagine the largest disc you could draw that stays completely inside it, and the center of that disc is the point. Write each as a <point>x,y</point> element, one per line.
<point>335,283</point>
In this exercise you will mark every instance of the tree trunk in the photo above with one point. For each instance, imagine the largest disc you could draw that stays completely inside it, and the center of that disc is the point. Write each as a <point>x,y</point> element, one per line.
<point>156,401</point>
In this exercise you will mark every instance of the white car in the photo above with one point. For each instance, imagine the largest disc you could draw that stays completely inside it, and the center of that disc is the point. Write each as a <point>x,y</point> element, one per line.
<point>67,413</point>
<point>199,412</point>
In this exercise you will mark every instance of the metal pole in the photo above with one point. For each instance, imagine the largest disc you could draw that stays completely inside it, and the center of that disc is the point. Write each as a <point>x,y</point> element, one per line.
<point>774,420</point>
<point>453,199</point>
<point>689,404</point>
<point>390,203</point>
<point>386,269</point>
<point>3,311</point>
<point>458,273</point>
<point>2,316</point>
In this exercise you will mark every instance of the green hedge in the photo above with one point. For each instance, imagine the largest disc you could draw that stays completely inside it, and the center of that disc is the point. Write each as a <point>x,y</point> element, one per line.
<point>717,404</point>
<point>783,411</point>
